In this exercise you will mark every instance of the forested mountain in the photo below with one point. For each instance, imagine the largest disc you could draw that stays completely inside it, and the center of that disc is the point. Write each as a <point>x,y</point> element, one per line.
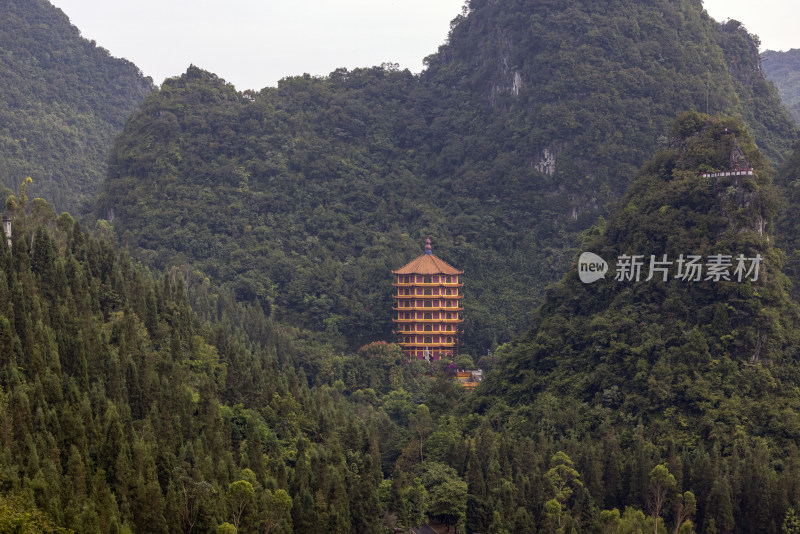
<point>136,402</point>
<point>527,124</point>
<point>62,101</point>
<point>788,179</point>
<point>184,394</point>
<point>697,376</point>
<point>783,69</point>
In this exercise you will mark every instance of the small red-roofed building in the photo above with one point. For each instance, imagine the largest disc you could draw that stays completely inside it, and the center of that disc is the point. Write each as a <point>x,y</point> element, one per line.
<point>428,306</point>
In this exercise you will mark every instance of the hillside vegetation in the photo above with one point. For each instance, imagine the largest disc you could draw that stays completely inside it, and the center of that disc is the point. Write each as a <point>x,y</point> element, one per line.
<point>62,101</point>
<point>696,376</point>
<point>783,69</point>
<point>133,402</point>
<point>527,124</point>
<point>207,356</point>
<point>156,403</point>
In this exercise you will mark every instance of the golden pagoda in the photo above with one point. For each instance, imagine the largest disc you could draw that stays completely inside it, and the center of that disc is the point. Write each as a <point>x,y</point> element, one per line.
<point>428,306</point>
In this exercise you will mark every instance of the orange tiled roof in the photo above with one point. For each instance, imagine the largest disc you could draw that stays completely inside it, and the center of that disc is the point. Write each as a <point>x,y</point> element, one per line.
<point>428,264</point>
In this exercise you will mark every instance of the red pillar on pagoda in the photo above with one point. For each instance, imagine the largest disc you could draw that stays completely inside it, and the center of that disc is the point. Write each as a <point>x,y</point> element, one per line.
<point>427,312</point>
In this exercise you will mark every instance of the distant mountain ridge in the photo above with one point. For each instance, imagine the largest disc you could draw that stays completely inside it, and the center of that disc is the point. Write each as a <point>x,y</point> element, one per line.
<point>62,101</point>
<point>526,126</point>
<point>783,69</point>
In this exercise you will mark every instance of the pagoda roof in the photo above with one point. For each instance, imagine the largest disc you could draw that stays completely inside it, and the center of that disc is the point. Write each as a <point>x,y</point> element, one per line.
<point>427,264</point>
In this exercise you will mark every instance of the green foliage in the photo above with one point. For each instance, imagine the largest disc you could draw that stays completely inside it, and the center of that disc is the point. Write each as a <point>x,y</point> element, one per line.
<point>643,371</point>
<point>133,402</point>
<point>791,524</point>
<point>661,483</point>
<point>226,528</point>
<point>277,512</point>
<point>524,128</point>
<point>783,69</point>
<point>447,493</point>
<point>16,516</point>
<point>62,101</point>
<point>563,478</point>
<point>239,495</point>
<point>788,179</point>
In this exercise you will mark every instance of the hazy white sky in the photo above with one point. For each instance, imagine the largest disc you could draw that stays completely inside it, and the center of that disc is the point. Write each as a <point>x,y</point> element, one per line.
<point>254,43</point>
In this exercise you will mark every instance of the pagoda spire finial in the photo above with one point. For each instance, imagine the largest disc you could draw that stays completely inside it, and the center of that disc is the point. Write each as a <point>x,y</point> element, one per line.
<point>428,246</point>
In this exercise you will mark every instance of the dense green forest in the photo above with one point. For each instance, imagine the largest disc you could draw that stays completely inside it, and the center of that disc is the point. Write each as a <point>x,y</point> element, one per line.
<point>783,69</point>
<point>698,376</point>
<point>207,351</point>
<point>136,402</point>
<point>63,99</point>
<point>139,402</point>
<point>788,180</point>
<point>527,124</point>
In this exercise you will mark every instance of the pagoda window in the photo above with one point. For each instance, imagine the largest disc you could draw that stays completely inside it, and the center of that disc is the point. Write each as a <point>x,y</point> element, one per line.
<point>428,315</point>
<point>408,315</point>
<point>428,340</point>
<point>449,304</point>
<point>448,292</point>
<point>428,304</point>
<point>449,339</point>
<point>449,280</point>
<point>449,316</point>
<point>427,280</point>
<point>428,292</point>
<point>428,328</point>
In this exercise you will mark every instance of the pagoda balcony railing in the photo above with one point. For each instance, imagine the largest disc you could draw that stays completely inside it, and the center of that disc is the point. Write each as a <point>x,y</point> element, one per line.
<point>428,308</point>
<point>428,345</point>
<point>429,332</point>
<point>452,322</point>
<point>404,320</point>
<point>430,297</point>
<point>432,284</point>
